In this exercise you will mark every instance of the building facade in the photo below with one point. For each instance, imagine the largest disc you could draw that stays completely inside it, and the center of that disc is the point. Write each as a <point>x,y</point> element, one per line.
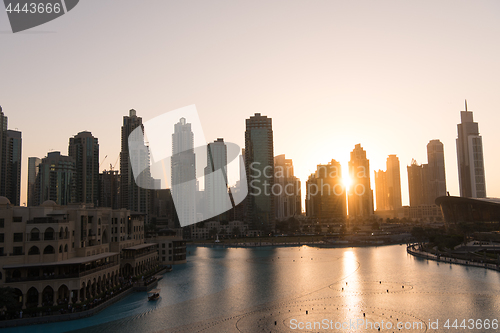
<point>54,254</point>
<point>133,197</point>
<point>183,173</point>
<point>287,197</point>
<point>360,194</point>
<point>259,166</point>
<point>33,163</point>
<point>216,199</point>
<point>84,149</point>
<point>10,161</point>
<point>436,174</point>
<point>326,194</point>
<point>13,167</point>
<point>56,179</point>
<point>470,157</point>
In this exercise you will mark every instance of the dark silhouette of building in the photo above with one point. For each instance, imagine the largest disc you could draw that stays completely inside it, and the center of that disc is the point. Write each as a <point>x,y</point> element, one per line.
<point>84,149</point>
<point>259,165</point>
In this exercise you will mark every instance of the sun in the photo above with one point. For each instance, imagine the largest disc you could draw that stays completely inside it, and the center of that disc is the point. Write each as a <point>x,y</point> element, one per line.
<point>347,181</point>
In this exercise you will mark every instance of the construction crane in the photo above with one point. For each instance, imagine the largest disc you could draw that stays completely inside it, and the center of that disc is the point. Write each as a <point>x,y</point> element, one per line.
<point>111,166</point>
<point>104,159</point>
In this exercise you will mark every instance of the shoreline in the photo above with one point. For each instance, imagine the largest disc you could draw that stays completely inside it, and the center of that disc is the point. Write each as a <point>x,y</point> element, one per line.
<point>411,249</point>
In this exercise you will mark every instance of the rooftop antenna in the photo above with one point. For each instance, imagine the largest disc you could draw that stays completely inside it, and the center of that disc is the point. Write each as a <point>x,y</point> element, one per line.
<point>465,105</point>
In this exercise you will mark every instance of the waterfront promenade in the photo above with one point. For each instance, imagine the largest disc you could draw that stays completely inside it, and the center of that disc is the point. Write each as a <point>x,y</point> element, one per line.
<point>418,251</point>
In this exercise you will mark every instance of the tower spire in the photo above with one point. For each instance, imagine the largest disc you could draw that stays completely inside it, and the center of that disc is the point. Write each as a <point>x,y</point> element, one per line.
<point>466,105</point>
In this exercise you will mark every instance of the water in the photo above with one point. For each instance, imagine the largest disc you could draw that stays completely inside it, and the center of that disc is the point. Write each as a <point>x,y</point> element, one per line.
<point>269,289</point>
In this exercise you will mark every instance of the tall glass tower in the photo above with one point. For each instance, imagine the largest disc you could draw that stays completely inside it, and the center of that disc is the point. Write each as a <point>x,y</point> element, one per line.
<point>183,176</point>
<point>259,165</point>
<point>84,148</point>
<point>470,157</point>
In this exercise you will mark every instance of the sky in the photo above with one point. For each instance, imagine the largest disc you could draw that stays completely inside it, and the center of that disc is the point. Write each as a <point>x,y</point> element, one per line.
<point>390,75</point>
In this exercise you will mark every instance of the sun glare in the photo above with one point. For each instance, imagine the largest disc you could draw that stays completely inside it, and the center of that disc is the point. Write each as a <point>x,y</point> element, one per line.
<point>346,180</point>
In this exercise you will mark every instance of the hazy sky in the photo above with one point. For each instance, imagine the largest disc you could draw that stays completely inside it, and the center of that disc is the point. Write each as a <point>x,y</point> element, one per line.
<point>390,75</point>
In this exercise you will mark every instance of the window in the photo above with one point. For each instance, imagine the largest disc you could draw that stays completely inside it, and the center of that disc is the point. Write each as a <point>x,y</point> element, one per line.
<point>2,221</point>
<point>169,251</point>
<point>163,245</point>
<point>169,244</point>
<point>17,219</point>
<point>169,258</point>
<point>18,250</point>
<point>2,236</point>
<point>18,237</point>
<point>163,252</point>
<point>1,251</point>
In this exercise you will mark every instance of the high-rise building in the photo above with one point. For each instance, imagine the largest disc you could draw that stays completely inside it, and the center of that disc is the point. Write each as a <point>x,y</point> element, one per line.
<point>416,184</point>
<point>470,157</point>
<point>109,189</point>
<point>10,162</point>
<point>287,199</point>
<point>381,194</point>
<point>216,182</point>
<point>56,179</point>
<point>360,194</point>
<point>326,194</point>
<point>133,197</point>
<point>33,163</point>
<point>393,183</point>
<point>183,176</point>
<point>436,174</point>
<point>13,167</point>
<point>3,153</point>
<point>427,182</point>
<point>84,149</point>
<point>259,165</point>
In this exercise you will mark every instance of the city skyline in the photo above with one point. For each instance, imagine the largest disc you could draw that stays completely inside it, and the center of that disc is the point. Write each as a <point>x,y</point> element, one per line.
<point>326,95</point>
<point>436,189</point>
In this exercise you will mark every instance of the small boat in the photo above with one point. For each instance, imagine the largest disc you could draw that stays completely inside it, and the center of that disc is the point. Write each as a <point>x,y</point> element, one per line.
<point>153,294</point>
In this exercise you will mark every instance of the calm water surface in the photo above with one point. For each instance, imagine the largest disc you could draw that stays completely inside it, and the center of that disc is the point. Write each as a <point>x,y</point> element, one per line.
<point>267,289</point>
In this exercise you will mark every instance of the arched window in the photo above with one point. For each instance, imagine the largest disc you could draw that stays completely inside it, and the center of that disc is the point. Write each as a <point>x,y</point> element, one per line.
<point>61,233</point>
<point>49,234</point>
<point>66,233</point>
<point>60,249</point>
<point>66,248</point>
<point>35,234</point>
<point>49,249</point>
<point>34,250</point>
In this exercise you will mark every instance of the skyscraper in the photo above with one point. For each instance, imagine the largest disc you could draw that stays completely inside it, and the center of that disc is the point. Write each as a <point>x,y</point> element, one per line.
<point>393,183</point>
<point>10,162</point>
<point>427,182</point>
<point>56,179</point>
<point>470,157</point>
<point>13,167</point>
<point>33,163</point>
<point>216,191</point>
<point>360,195</point>
<point>183,177</point>
<point>416,184</point>
<point>84,149</point>
<point>325,197</point>
<point>133,197</point>
<point>436,171</point>
<point>3,153</point>
<point>381,194</point>
<point>259,165</point>
<point>287,200</point>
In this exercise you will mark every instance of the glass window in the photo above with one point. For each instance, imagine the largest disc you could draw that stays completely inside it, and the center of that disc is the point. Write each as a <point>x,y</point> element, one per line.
<point>18,237</point>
